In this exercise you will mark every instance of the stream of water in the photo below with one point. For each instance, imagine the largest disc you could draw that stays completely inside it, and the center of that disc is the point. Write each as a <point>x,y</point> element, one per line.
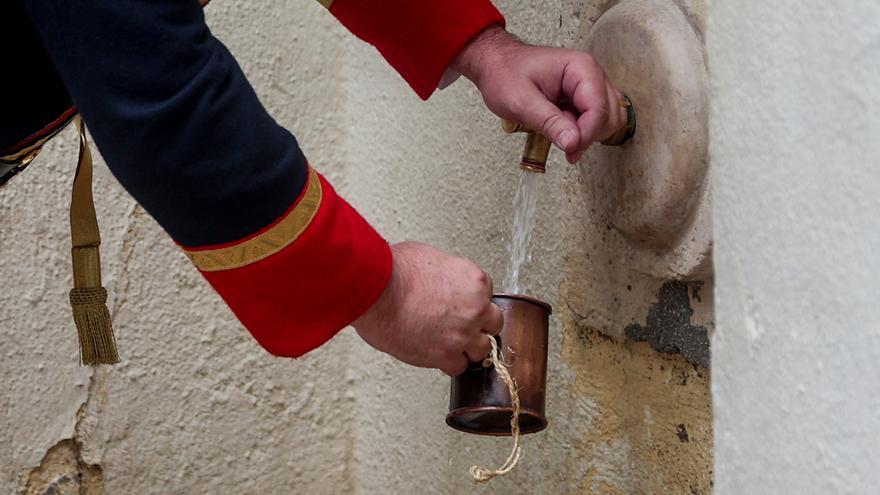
<point>524,205</point>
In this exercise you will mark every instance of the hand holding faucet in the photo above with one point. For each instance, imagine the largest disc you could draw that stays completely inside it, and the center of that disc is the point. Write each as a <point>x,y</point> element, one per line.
<point>564,94</point>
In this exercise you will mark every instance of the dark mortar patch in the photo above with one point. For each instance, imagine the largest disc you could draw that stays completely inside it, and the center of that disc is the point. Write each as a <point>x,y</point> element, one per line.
<point>668,326</point>
<point>696,287</point>
<point>682,433</point>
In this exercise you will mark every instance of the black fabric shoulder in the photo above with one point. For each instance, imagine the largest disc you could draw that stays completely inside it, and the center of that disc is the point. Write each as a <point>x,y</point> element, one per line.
<point>33,99</point>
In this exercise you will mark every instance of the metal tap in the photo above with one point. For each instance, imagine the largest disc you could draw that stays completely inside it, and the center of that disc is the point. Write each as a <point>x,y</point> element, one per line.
<point>537,147</point>
<point>534,157</point>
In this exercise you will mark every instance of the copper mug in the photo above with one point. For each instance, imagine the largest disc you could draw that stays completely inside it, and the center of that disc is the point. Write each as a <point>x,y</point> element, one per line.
<point>479,401</point>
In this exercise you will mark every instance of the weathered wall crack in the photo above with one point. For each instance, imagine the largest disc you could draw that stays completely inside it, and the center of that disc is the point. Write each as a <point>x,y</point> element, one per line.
<point>68,468</point>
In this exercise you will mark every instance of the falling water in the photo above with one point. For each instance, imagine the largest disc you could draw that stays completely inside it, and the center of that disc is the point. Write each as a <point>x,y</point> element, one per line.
<point>524,205</point>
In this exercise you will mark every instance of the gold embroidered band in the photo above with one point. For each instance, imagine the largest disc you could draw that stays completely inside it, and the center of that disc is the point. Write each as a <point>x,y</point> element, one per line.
<point>278,237</point>
<point>326,3</point>
<point>26,155</point>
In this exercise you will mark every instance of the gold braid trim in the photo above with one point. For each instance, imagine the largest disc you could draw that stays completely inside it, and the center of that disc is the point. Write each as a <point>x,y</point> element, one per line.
<point>278,237</point>
<point>326,3</point>
<point>26,155</point>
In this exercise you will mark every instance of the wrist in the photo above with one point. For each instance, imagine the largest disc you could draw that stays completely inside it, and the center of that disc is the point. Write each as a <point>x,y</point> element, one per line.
<point>481,51</point>
<point>377,315</point>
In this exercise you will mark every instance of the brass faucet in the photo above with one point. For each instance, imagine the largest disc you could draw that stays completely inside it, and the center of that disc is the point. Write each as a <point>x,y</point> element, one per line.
<point>537,147</point>
<point>534,157</point>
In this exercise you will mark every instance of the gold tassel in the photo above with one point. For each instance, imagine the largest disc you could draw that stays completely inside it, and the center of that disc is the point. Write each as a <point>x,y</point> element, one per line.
<point>96,342</point>
<point>88,298</point>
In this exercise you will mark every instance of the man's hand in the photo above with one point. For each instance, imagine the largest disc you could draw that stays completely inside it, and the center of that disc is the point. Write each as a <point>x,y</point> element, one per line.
<point>562,93</point>
<point>435,311</point>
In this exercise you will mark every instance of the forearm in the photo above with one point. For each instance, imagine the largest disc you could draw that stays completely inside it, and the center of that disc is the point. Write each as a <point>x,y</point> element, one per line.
<point>484,50</point>
<point>183,131</point>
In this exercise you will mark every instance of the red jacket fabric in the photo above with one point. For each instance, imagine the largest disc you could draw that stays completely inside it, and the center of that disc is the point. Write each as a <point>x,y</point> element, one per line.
<point>298,298</point>
<point>418,38</point>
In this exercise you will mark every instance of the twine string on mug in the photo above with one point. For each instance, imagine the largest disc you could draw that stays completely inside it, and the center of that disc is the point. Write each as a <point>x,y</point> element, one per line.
<point>481,474</point>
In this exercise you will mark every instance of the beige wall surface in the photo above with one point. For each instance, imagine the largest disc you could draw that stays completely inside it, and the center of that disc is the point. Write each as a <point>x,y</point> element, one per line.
<point>197,407</point>
<point>795,141</point>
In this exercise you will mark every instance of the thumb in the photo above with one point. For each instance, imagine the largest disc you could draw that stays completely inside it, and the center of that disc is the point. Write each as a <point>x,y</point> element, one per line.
<point>558,126</point>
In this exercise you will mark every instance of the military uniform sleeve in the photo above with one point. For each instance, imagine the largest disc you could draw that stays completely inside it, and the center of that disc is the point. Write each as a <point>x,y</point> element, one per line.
<point>419,38</point>
<point>183,131</point>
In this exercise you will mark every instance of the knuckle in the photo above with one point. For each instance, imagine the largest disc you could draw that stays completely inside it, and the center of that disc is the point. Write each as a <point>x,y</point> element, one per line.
<point>599,113</point>
<point>465,265</point>
<point>473,273</point>
<point>455,342</point>
<point>584,64</point>
<point>473,310</point>
<point>454,364</point>
<point>448,369</point>
<point>458,369</point>
<point>550,122</point>
<point>489,287</point>
<point>591,64</point>
<point>517,104</point>
<point>482,278</point>
<point>453,346</point>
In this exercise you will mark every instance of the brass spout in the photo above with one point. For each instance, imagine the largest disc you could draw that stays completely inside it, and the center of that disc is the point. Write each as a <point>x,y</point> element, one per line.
<point>536,150</point>
<point>537,147</point>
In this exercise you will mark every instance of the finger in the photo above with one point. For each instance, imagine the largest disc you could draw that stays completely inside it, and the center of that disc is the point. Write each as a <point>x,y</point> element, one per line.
<point>593,119</point>
<point>574,157</point>
<point>490,284</point>
<point>479,349</point>
<point>456,365</point>
<point>570,114</point>
<point>541,114</point>
<point>622,113</point>
<point>614,120</point>
<point>584,85</point>
<point>493,320</point>
<point>617,115</point>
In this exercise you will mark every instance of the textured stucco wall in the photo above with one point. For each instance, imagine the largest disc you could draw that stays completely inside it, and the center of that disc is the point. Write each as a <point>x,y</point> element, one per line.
<point>196,407</point>
<point>794,145</point>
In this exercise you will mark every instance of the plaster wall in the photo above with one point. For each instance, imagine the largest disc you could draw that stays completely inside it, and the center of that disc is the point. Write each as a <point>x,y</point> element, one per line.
<point>197,407</point>
<point>794,145</point>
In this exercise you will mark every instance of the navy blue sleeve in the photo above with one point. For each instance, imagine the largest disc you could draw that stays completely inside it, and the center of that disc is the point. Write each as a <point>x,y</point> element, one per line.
<point>173,115</point>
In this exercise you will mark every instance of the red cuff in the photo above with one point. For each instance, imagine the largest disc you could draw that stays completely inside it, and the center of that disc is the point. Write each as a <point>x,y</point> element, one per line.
<point>298,282</point>
<point>419,38</point>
